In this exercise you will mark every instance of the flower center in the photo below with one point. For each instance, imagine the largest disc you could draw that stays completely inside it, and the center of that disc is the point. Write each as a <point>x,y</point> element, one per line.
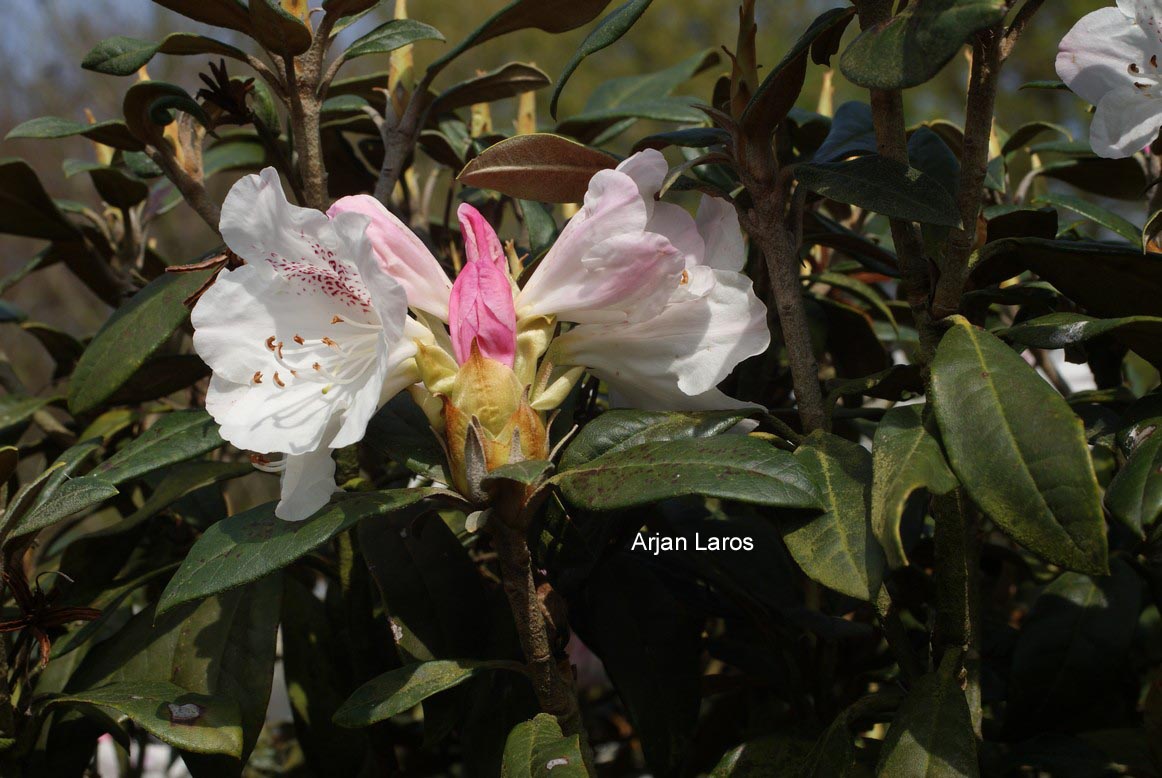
<point>332,360</point>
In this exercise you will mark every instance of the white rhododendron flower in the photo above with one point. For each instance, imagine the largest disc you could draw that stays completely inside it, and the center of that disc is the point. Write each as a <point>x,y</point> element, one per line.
<point>304,340</point>
<point>335,313</point>
<point>1111,58</point>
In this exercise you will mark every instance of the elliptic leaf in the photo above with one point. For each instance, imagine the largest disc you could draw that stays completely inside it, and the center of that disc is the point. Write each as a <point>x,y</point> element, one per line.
<point>400,690</point>
<point>1018,449</point>
<point>611,28</point>
<point>931,735</point>
<point>884,186</point>
<point>1134,497</point>
<point>621,429</point>
<point>187,721</point>
<point>538,749</point>
<point>175,437</point>
<point>390,36</point>
<point>249,545</point>
<point>124,56</point>
<point>538,166</point>
<point>127,339</point>
<point>730,467</point>
<point>837,548</point>
<point>506,81</point>
<point>916,43</point>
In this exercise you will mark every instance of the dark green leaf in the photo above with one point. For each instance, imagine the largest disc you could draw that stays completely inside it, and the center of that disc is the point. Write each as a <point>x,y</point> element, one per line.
<point>905,457</point>
<point>124,56</point>
<point>837,548</point>
<point>397,691</point>
<point>179,481</point>
<point>607,109</point>
<point>780,89</point>
<point>401,431</point>
<point>730,467</point>
<point>280,32</point>
<point>230,14</point>
<point>134,332</point>
<point>507,81</point>
<point>1018,449</point>
<point>249,545</point>
<point>1142,334</point>
<point>916,43</point>
<point>1106,279</point>
<point>931,735</point>
<point>148,106</point>
<point>73,496</point>
<point>539,166</point>
<point>553,16</point>
<point>1121,179</point>
<point>609,31</point>
<point>884,186</point>
<point>175,437</point>
<point>25,208</point>
<point>189,721</point>
<point>1134,497</point>
<point>852,132</point>
<point>621,429</point>
<point>691,137</point>
<point>1095,213</point>
<point>1071,652</point>
<point>536,747</point>
<point>1025,134</point>
<point>16,409</point>
<point>111,133</point>
<point>390,36</point>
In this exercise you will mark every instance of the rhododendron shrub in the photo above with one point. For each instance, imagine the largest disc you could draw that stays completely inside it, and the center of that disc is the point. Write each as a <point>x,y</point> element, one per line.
<point>721,428</point>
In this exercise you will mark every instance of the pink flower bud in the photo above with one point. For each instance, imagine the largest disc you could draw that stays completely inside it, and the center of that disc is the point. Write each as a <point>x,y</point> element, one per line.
<point>481,307</point>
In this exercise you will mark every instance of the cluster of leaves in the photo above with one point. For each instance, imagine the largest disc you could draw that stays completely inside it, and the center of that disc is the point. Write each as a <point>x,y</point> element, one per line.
<point>965,551</point>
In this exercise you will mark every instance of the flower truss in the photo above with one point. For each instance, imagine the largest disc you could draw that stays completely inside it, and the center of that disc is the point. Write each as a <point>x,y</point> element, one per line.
<point>1111,58</point>
<point>334,314</point>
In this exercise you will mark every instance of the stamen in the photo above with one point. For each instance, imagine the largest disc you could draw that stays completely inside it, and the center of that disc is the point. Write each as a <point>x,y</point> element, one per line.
<point>279,351</point>
<point>278,381</point>
<point>336,319</point>
<point>257,378</point>
<point>1134,68</point>
<point>316,366</point>
<point>270,343</point>
<point>299,339</point>
<point>330,342</point>
<point>685,278</point>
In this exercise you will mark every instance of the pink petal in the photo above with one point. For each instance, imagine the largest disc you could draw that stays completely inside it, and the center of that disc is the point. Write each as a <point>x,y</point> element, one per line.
<point>481,309</point>
<point>480,241</point>
<point>401,254</point>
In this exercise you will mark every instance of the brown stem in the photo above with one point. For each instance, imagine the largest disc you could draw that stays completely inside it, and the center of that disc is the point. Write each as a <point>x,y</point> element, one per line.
<point>191,189</point>
<point>891,142</point>
<point>554,692</point>
<point>978,125</point>
<point>765,224</point>
<point>302,81</point>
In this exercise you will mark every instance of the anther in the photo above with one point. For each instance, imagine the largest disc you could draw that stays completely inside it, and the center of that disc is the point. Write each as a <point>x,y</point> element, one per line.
<point>336,319</point>
<point>270,343</point>
<point>257,378</point>
<point>330,342</point>
<point>279,349</point>
<point>278,380</point>
<point>299,339</point>
<point>1134,68</point>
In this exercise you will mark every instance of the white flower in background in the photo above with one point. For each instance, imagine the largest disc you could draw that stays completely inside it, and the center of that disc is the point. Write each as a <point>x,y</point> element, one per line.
<point>305,340</point>
<point>1111,58</point>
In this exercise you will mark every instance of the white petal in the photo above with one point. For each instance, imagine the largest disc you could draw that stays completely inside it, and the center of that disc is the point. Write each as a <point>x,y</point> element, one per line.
<point>676,358</point>
<point>1126,120</point>
<point>718,224</point>
<point>307,484</point>
<point>268,419</point>
<point>1094,57</point>
<point>678,226</point>
<point>648,170</point>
